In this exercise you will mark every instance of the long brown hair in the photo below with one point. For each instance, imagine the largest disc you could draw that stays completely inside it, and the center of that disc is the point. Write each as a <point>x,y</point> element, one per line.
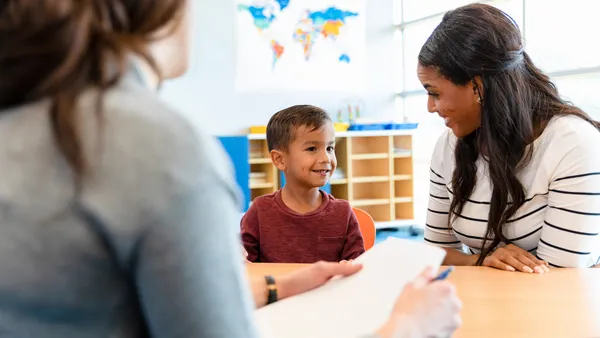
<point>56,49</point>
<point>518,101</point>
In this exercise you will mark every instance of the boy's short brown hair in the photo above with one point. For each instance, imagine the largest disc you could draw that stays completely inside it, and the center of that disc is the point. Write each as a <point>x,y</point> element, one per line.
<point>282,126</point>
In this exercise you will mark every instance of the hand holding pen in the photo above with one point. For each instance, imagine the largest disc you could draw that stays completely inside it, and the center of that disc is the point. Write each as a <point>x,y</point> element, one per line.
<point>444,274</point>
<point>428,306</point>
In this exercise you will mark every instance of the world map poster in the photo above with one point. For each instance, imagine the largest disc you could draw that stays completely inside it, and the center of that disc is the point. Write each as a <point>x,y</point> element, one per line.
<point>306,45</point>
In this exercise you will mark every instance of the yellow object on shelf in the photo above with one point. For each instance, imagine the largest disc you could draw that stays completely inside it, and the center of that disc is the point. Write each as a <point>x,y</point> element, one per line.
<point>258,130</point>
<point>339,126</point>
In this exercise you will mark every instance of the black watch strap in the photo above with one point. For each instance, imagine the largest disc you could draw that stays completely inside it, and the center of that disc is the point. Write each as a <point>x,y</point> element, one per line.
<point>272,289</point>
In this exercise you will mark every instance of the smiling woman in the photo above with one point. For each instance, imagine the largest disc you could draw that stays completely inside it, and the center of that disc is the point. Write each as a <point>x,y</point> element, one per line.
<point>460,106</point>
<point>519,175</point>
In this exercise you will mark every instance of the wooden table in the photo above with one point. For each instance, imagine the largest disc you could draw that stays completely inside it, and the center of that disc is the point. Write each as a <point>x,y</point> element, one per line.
<point>564,303</point>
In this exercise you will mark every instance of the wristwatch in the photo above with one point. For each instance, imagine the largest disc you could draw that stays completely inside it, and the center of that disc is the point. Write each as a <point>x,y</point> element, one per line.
<point>271,289</point>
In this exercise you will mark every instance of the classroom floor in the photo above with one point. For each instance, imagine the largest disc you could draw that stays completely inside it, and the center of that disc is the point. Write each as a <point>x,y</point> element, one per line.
<point>404,232</point>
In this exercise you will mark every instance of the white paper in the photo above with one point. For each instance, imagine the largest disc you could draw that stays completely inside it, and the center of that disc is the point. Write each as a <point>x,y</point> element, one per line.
<point>356,305</point>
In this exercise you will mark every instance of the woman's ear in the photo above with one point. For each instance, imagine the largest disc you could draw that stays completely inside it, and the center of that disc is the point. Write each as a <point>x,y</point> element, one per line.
<point>278,159</point>
<point>478,87</point>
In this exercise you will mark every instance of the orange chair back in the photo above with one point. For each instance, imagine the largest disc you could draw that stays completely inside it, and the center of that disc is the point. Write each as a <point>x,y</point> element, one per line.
<point>367,227</point>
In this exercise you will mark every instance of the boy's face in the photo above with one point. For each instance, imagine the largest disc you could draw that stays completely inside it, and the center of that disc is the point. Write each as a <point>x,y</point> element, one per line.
<point>310,158</point>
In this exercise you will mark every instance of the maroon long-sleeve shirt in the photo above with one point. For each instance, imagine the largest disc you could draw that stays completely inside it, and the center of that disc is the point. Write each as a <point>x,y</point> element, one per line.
<point>274,233</point>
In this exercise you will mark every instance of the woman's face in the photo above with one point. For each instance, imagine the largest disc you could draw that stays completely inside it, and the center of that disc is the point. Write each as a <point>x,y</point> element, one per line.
<point>172,52</point>
<point>457,105</point>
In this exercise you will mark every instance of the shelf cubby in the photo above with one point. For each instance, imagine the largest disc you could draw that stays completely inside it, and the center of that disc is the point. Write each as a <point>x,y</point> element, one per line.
<point>370,168</point>
<point>404,211</point>
<point>263,176</point>
<point>380,213</point>
<point>362,145</point>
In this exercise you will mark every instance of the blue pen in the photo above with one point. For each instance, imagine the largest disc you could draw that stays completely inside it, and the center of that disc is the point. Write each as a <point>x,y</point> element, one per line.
<point>444,274</point>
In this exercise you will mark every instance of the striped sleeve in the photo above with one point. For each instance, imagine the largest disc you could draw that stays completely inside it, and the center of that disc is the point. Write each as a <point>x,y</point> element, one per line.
<point>437,231</point>
<point>571,232</point>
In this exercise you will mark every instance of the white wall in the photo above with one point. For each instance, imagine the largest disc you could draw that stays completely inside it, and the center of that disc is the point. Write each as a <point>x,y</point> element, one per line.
<point>207,95</point>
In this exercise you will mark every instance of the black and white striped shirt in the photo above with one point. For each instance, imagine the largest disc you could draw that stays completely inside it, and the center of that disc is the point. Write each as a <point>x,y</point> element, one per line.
<point>560,220</point>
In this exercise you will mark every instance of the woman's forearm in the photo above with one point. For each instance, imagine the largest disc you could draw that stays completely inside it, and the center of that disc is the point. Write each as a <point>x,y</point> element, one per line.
<point>459,258</point>
<point>261,292</point>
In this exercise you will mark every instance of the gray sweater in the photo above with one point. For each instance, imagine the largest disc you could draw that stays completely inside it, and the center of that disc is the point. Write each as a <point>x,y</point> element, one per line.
<point>149,247</point>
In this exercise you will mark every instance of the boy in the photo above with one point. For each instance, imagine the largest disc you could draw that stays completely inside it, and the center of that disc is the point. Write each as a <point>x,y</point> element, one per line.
<point>300,223</point>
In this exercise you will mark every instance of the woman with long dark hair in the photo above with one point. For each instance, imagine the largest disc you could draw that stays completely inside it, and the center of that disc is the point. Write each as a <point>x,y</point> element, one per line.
<point>117,218</point>
<point>516,179</point>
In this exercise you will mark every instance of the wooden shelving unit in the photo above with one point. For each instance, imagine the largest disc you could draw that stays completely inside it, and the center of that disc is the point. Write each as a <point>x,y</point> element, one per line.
<point>379,174</point>
<point>375,173</point>
<point>263,174</point>
<point>403,176</point>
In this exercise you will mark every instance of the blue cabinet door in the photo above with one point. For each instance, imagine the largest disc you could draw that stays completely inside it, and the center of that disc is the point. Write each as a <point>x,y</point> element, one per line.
<point>237,149</point>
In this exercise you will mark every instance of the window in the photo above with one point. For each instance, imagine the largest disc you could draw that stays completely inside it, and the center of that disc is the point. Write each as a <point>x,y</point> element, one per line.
<point>557,37</point>
<point>514,8</point>
<point>582,91</point>
<point>415,10</point>
<point>398,63</point>
<point>560,37</point>
<point>414,37</point>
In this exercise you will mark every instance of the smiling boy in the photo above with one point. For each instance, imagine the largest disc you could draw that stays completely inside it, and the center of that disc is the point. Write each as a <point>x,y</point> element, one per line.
<point>301,223</point>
